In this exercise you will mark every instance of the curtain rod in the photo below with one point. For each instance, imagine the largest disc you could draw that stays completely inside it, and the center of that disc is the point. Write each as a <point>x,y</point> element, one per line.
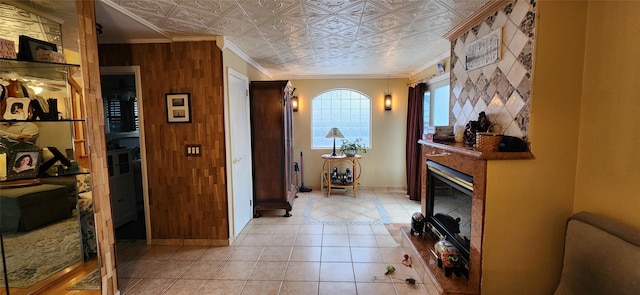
<point>431,80</point>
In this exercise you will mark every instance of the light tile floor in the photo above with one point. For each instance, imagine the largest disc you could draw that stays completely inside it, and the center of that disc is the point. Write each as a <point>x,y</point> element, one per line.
<point>337,245</point>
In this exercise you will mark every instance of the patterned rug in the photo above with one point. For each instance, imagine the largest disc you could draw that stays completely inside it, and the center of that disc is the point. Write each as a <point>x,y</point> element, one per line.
<point>35,255</point>
<point>89,282</point>
<point>345,210</point>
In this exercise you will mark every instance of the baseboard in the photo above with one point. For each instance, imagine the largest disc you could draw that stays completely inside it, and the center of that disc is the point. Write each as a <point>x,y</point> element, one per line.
<point>360,187</point>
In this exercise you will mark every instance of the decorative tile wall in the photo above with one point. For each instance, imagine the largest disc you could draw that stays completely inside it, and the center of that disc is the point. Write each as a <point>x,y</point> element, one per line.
<point>16,21</point>
<point>502,89</point>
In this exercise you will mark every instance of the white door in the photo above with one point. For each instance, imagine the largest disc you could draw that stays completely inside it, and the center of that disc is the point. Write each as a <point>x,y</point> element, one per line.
<point>240,150</point>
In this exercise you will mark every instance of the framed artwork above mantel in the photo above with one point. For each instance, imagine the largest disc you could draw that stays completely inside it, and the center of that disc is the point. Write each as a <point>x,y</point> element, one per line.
<point>484,51</point>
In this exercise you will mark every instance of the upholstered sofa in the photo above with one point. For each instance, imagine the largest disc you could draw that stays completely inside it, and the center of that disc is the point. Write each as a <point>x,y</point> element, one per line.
<point>601,256</point>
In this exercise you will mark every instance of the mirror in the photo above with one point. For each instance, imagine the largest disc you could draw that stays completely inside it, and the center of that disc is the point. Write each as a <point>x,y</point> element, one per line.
<point>47,221</point>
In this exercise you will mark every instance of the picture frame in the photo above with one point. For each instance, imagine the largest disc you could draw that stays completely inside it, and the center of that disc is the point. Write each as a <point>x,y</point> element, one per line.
<point>23,161</point>
<point>484,51</point>
<point>27,47</point>
<point>178,107</point>
<point>17,108</point>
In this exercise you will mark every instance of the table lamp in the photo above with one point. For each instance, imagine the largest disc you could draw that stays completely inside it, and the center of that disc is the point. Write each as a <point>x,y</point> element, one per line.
<point>334,133</point>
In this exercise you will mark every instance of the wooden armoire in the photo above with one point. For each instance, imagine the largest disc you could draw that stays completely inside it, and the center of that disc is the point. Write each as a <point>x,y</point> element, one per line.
<point>272,146</point>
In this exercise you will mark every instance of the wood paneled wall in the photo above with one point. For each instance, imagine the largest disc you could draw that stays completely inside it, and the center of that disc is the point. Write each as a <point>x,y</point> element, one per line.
<point>96,141</point>
<point>188,200</point>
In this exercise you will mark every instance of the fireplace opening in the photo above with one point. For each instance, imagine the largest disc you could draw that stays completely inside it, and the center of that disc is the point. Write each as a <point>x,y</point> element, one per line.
<point>449,200</point>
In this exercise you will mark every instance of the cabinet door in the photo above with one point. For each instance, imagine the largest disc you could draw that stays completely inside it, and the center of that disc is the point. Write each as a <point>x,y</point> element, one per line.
<point>288,139</point>
<point>268,141</point>
<point>122,186</point>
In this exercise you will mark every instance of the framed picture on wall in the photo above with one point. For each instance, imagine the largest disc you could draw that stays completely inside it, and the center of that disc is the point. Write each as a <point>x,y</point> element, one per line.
<point>484,51</point>
<point>178,108</point>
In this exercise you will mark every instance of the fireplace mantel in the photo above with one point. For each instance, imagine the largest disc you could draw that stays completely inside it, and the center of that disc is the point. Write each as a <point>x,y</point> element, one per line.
<point>472,162</point>
<point>460,148</point>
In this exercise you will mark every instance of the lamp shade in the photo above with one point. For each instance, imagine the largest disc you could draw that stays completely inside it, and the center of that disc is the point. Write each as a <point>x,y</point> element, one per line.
<point>294,103</point>
<point>334,133</point>
<point>387,102</point>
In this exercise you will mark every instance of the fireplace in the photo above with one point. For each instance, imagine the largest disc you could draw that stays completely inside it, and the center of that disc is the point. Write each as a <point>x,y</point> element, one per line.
<point>459,172</point>
<point>448,209</point>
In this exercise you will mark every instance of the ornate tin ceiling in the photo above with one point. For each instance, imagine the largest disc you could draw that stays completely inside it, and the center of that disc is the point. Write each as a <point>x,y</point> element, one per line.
<point>290,38</point>
<point>312,37</point>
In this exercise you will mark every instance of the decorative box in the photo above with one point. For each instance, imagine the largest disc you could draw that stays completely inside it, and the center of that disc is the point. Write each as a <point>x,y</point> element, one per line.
<point>439,130</point>
<point>438,138</point>
<point>50,56</point>
<point>7,49</point>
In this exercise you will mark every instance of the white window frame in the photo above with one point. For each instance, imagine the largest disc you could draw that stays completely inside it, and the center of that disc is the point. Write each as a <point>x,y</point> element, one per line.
<point>437,104</point>
<point>328,143</point>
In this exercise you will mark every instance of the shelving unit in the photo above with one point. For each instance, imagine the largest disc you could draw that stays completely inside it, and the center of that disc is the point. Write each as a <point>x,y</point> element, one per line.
<point>47,72</point>
<point>67,133</point>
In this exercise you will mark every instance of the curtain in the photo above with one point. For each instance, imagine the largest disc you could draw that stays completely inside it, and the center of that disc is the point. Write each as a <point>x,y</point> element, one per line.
<point>414,133</point>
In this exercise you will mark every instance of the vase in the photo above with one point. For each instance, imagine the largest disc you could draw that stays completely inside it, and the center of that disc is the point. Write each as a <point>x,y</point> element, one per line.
<point>350,153</point>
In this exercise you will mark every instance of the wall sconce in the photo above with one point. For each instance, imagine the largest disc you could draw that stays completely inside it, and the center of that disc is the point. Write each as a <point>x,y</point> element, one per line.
<point>294,103</point>
<point>387,102</point>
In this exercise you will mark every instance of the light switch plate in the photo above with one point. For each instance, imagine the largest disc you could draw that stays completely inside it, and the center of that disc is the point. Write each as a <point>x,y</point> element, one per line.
<point>193,150</point>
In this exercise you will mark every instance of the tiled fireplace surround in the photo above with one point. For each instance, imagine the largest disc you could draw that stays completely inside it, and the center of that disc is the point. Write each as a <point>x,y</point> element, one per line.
<point>503,91</point>
<point>473,163</point>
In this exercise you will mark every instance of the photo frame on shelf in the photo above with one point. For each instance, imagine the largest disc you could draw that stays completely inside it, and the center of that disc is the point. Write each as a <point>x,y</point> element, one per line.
<point>17,108</point>
<point>23,161</point>
<point>28,47</point>
<point>178,108</point>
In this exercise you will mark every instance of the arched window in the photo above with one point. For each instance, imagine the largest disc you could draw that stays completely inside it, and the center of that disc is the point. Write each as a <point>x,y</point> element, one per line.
<point>346,109</point>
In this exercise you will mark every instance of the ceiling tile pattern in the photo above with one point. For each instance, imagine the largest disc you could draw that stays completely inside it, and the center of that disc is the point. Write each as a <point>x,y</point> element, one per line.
<point>316,37</point>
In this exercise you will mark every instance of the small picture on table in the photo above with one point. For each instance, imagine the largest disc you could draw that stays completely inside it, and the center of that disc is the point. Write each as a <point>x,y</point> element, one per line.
<point>23,165</point>
<point>25,162</point>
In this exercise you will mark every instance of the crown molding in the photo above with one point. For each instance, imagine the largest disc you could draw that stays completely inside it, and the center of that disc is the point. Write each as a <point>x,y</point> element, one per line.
<point>479,15</point>
<point>227,44</point>
<point>136,18</point>
<point>340,77</point>
<point>166,40</point>
<point>437,79</point>
<point>194,38</point>
<point>138,41</point>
